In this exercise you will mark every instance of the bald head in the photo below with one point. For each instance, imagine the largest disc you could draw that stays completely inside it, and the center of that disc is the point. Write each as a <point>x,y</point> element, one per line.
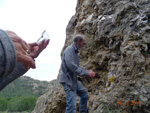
<point>79,41</point>
<point>78,38</point>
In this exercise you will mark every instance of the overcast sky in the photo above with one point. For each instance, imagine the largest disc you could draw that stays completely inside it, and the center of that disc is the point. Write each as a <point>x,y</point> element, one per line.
<point>29,18</point>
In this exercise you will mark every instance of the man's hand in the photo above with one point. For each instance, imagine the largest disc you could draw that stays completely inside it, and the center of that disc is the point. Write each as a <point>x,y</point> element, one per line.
<point>91,73</point>
<point>21,48</point>
<point>35,49</point>
<point>26,52</point>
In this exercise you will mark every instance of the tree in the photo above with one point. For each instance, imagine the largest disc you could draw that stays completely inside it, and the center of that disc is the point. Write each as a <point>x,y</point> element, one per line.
<point>3,104</point>
<point>27,104</point>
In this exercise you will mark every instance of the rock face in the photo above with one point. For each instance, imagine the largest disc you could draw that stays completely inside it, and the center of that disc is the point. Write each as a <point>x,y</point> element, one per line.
<point>118,42</point>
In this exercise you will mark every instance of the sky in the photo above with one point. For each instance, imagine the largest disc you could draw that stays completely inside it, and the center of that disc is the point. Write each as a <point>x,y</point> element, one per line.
<point>29,18</point>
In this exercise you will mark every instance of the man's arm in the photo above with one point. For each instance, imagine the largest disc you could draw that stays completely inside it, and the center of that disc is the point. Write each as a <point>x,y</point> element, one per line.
<point>73,66</point>
<point>18,71</point>
<point>14,61</point>
<point>7,54</point>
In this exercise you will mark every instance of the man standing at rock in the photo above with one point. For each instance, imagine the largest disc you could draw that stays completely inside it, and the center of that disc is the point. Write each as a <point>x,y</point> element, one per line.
<point>68,78</point>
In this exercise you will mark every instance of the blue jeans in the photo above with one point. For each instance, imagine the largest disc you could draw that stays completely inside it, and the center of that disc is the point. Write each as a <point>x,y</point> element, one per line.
<point>71,98</point>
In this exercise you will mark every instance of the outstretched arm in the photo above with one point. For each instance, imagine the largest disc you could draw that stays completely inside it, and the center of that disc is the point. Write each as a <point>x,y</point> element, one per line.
<point>18,51</point>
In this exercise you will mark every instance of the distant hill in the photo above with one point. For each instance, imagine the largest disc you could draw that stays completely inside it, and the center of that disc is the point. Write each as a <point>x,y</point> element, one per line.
<point>21,95</point>
<point>26,86</point>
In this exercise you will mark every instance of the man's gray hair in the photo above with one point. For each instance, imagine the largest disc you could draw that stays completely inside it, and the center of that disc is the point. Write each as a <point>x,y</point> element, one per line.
<point>78,37</point>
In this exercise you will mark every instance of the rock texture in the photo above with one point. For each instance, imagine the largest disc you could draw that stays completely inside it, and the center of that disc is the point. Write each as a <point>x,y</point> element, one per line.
<point>118,42</point>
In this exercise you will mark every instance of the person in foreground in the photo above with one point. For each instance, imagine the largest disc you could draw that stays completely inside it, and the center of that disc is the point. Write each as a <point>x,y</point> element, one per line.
<point>16,56</point>
<point>68,78</point>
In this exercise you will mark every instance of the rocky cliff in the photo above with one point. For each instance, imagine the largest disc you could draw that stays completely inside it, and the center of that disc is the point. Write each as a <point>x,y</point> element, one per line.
<point>118,43</point>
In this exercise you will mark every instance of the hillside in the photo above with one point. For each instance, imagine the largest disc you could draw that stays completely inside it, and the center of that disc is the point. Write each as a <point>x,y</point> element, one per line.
<point>21,95</point>
<point>118,42</point>
<point>26,86</point>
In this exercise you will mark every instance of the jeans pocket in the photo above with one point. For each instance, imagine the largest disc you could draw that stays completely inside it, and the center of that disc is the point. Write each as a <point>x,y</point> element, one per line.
<point>66,87</point>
